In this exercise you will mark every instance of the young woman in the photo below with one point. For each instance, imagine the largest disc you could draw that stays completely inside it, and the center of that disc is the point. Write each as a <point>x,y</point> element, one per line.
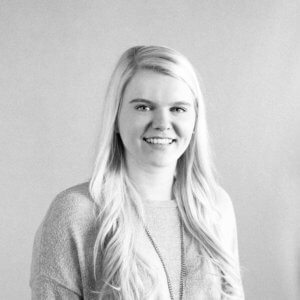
<point>152,223</point>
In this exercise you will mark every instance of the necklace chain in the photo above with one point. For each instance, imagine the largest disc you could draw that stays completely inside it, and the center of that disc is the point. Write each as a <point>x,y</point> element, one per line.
<point>182,264</point>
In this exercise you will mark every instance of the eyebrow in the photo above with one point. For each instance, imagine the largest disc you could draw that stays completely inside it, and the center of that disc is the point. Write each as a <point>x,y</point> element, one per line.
<point>141,100</point>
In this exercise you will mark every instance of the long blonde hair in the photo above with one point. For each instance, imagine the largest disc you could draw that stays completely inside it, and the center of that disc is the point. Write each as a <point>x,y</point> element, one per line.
<point>118,202</point>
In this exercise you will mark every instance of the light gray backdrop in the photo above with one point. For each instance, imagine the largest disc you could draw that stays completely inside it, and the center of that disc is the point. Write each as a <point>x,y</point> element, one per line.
<point>55,60</point>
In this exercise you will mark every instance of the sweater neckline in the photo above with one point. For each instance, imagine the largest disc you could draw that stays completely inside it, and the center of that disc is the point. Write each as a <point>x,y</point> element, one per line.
<point>169,203</point>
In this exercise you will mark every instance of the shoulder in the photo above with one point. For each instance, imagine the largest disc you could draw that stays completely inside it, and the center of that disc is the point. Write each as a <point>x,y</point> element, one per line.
<point>64,237</point>
<point>227,221</point>
<point>227,227</point>
<point>72,207</point>
<point>75,199</point>
<point>70,214</point>
<point>223,204</point>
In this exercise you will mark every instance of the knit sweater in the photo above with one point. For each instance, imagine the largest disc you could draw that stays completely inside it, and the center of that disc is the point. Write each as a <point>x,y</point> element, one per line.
<point>62,260</point>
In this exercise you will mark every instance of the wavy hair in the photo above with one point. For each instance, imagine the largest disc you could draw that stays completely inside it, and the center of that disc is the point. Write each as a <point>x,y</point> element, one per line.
<point>118,203</point>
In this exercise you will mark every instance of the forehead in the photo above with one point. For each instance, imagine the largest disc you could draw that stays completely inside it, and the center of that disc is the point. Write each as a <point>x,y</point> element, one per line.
<point>155,86</point>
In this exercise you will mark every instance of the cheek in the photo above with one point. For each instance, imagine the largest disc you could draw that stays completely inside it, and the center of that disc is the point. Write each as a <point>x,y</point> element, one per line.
<point>188,134</point>
<point>187,126</point>
<point>131,130</point>
<point>124,124</point>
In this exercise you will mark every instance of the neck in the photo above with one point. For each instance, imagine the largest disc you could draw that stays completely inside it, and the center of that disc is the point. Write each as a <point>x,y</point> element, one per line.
<point>153,183</point>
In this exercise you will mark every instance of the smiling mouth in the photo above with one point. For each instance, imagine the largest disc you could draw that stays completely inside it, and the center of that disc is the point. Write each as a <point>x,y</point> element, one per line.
<point>159,141</point>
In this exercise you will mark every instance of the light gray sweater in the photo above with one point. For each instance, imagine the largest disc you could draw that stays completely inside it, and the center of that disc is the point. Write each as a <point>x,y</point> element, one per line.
<point>62,260</point>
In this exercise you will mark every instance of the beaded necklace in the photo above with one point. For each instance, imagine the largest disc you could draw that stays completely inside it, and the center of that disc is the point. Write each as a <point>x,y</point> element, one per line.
<point>182,264</point>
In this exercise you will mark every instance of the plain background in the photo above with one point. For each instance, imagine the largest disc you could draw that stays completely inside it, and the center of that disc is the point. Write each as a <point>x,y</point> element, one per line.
<point>55,60</point>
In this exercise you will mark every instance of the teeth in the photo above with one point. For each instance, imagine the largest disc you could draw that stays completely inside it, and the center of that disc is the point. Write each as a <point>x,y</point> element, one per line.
<point>159,141</point>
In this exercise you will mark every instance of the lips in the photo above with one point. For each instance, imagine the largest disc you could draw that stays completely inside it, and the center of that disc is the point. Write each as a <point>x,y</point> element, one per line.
<point>159,140</point>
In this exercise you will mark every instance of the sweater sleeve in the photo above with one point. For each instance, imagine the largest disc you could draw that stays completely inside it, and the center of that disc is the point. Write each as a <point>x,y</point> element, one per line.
<point>59,256</point>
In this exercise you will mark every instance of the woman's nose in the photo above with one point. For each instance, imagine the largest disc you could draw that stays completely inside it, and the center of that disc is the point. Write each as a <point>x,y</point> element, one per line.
<point>161,121</point>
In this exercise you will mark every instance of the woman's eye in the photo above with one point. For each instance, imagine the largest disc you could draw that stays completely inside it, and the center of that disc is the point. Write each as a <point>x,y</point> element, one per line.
<point>178,109</point>
<point>142,107</point>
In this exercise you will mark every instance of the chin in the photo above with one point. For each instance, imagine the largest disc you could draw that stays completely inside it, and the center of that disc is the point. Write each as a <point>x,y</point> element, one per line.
<point>163,163</point>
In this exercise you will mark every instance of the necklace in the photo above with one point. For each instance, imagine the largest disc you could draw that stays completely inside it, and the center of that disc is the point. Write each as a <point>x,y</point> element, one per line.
<point>182,264</point>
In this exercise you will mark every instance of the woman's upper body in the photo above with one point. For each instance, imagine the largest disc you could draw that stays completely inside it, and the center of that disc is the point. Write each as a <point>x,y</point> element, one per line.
<point>63,249</point>
<point>112,236</point>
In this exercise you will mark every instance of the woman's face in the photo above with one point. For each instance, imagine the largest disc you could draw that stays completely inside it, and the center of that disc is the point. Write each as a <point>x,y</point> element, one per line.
<point>156,119</point>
